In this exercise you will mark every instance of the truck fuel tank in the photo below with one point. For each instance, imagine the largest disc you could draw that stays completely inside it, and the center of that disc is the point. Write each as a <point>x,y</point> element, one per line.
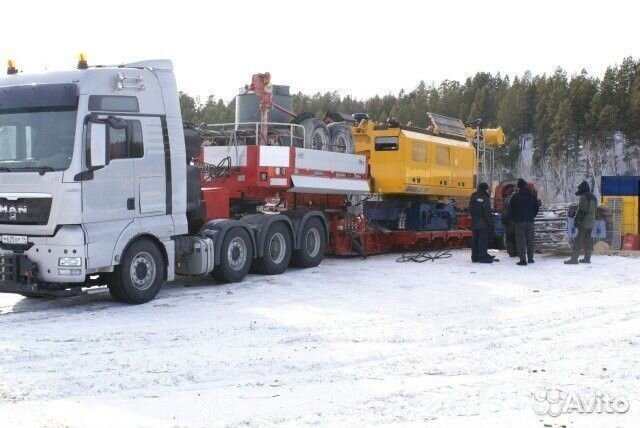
<point>194,255</point>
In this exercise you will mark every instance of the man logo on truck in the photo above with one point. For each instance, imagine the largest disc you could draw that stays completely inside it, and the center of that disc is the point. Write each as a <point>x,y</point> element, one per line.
<point>13,211</point>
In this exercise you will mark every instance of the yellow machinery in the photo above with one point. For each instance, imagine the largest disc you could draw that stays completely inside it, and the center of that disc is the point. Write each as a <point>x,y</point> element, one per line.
<point>438,162</point>
<point>629,216</point>
<point>492,136</point>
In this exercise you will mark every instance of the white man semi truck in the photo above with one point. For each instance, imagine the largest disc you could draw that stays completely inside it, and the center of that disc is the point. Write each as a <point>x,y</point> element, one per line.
<point>102,183</point>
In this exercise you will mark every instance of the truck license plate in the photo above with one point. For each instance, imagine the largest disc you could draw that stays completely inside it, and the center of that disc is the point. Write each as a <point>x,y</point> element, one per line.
<point>14,239</point>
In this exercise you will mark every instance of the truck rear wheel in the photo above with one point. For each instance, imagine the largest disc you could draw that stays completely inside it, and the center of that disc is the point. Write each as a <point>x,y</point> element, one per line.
<point>140,275</point>
<point>236,255</point>
<point>276,251</point>
<point>311,250</point>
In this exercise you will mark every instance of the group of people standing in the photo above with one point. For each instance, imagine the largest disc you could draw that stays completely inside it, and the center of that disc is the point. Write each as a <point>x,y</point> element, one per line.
<point>522,208</point>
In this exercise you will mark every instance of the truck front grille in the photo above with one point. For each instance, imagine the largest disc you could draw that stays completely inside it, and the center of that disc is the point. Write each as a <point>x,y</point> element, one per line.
<point>30,211</point>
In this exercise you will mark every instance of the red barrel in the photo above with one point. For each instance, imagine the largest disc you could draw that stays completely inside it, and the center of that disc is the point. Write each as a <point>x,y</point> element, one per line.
<point>631,242</point>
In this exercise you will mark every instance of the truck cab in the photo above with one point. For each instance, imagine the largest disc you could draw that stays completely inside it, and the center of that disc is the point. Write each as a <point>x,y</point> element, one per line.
<point>92,161</point>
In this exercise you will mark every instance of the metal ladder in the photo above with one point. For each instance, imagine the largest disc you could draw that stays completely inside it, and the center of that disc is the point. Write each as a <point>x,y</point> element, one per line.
<point>615,205</point>
<point>485,159</point>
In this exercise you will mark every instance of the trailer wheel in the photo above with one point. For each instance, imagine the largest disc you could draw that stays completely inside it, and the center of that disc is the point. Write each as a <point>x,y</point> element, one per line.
<point>341,138</point>
<point>236,255</point>
<point>311,250</point>
<point>276,251</point>
<point>316,134</point>
<point>140,275</point>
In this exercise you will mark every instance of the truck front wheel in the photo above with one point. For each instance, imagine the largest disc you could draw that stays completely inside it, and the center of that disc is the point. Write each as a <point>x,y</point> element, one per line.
<point>140,275</point>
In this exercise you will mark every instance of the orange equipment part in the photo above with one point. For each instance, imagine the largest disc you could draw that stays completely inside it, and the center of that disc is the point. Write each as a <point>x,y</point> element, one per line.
<point>216,201</point>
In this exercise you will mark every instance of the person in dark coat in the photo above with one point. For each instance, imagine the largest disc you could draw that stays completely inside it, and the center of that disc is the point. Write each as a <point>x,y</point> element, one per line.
<point>523,208</point>
<point>481,224</point>
<point>584,221</point>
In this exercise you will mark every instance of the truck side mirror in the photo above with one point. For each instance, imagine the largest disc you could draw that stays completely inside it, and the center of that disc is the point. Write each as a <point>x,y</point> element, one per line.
<point>99,150</point>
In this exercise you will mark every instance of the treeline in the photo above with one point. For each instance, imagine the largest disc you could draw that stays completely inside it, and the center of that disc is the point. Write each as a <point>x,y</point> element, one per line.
<point>565,116</point>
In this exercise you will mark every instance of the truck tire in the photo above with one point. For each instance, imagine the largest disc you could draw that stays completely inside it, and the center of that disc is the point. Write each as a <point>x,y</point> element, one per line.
<point>236,256</point>
<point>341,138</point>
<point>277,250</point>
<point>316,134</point>
<point>140,274</point>
<point>311,250</point>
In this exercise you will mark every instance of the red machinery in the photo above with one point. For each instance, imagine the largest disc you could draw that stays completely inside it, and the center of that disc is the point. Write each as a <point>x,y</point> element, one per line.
<point>259,175</point>
<point>504,190</point>
<point>259,180</point>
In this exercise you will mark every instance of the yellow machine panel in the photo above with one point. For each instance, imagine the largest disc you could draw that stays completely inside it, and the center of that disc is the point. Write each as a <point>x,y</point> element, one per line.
<point>409,161</point>
<point>630,217</point>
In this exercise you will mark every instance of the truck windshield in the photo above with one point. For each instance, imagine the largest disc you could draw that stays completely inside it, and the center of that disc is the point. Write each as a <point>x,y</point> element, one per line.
<point>37,139</point>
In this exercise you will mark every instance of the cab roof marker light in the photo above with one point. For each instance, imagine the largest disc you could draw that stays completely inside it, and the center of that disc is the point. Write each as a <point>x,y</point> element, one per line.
<point>82,61</point>
<point>11,67</point>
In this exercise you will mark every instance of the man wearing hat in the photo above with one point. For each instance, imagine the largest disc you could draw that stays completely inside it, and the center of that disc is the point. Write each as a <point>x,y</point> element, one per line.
<point>523,208</point>
<point>481,223</point>
<point>584,221</point>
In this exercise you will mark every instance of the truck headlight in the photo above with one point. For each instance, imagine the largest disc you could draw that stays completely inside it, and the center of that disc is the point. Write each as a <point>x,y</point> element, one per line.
<point>70,261</point>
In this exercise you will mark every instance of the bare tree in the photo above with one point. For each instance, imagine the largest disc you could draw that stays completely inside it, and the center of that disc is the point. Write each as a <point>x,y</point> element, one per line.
<point>556,179</point>
<point>598,161</point>
<point>633,159</point>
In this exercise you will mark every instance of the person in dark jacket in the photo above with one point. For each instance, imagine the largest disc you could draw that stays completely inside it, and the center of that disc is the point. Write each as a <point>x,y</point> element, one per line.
<point>481,223</point>
<point>584,221</point>
<point>523,208</point>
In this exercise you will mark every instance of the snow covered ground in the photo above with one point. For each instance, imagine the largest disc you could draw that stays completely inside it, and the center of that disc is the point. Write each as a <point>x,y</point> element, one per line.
<point>349,343</point>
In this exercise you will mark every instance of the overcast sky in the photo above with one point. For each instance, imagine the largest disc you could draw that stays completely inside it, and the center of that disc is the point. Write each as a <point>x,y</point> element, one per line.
<point>361,48</point>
